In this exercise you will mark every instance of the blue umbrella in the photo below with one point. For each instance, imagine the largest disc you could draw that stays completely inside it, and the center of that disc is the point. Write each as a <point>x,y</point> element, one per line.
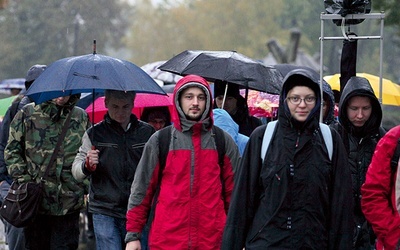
<point>90,73</point>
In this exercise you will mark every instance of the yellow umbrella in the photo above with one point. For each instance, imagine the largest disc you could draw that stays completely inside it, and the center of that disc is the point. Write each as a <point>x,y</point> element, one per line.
<point>390,90</point>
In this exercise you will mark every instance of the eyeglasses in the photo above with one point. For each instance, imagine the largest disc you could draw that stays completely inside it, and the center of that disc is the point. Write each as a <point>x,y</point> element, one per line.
<point>297,100</point>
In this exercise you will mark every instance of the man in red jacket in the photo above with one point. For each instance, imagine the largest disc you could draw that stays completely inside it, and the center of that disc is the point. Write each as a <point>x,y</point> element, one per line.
<point>381,192</point>
<point>194,189</point>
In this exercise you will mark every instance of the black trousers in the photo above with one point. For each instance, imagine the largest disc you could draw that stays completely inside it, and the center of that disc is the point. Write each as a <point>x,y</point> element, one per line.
<point>53,232</point>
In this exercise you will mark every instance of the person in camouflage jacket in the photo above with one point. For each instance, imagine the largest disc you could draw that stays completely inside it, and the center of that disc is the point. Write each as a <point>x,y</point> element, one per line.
<point>33,136</point>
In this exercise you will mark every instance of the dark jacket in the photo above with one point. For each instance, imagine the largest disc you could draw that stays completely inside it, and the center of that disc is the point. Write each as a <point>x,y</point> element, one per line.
<point>360,143</point>
<point>246,122</point>
<point>329,97</point>
<point>297,198</point>
<point>120,152</point>
<point>17,105</point>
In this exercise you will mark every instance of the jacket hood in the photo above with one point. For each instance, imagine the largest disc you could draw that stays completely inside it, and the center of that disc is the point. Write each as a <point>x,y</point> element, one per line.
<point>299,77</point>
<point>55,111</point>
<point>360,86</point>
<point>330,97</point>
<point>224,120</point>
<point>178,117</point>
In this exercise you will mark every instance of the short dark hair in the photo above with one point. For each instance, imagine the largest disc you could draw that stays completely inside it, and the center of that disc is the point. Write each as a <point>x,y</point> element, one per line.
<point>119,94</point>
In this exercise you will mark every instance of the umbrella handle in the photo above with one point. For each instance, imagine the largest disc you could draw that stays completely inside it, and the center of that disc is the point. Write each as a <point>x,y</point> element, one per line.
<point>93,167</point>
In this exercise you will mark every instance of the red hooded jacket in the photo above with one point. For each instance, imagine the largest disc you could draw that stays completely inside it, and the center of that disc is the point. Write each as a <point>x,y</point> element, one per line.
<point>381,193</point>
<point>193,201</point>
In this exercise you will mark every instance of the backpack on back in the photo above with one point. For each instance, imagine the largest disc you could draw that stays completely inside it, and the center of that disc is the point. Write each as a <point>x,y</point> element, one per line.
<point>163,146</point>
<point>165,138</point>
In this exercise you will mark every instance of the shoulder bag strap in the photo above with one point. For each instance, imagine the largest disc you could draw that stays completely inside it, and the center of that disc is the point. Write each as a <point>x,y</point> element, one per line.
<point>60,139</point>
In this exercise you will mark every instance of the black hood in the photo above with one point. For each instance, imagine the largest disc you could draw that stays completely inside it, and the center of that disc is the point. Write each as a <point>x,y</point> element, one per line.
<point>359,86</point>
<point>327,91</point>
<point>295,77</point>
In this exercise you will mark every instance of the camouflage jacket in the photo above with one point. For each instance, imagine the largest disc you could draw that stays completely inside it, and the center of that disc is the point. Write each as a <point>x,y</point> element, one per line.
<point>33,136</point>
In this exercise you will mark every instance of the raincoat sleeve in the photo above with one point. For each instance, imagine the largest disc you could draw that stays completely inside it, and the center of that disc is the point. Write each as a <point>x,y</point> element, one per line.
<point>341,215</point>
<point>243,202</point>
<point>78,166</point>
<point>379,198</point>
<point>14,153</point>
<point>143,188</point>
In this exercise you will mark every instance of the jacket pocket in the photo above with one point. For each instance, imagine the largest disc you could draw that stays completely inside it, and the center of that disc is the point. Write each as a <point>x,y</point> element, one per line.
<point>274,181</point>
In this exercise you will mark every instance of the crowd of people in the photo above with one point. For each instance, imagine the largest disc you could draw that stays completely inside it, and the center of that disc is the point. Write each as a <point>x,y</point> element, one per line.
<point>196,175</point>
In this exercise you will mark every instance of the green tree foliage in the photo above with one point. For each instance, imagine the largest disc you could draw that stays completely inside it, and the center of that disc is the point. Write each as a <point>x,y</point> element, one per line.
<point>160,32</point>
<point>391,9</point>
<point>245,26</point>
<point>43,31</point>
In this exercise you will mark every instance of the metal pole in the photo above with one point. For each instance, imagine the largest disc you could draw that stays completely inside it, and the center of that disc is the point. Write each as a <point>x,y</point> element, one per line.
<point>321,69</point>
<point>381,61</point>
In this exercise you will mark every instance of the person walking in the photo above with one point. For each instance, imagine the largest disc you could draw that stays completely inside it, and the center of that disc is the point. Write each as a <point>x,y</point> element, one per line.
<point>158,117</point>
<point>223,120</point>
<point>34,133</point>
<point>189,187</point>
<point>380,198</point>
<point>236,106</point>
<point>298,196</point>
<point>360,118</point>
<point>118,145</point>
<point>14,236</point>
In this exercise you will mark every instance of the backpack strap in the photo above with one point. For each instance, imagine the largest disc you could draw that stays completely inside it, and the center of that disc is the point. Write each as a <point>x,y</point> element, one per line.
<point>327,134</point>
<point>269,131</point>
<point>164,138</point>
<point>220,144</point>
<point>395,158</point>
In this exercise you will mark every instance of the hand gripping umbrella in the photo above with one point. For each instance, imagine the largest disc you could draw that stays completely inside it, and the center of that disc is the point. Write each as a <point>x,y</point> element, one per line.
<point>228,66</point>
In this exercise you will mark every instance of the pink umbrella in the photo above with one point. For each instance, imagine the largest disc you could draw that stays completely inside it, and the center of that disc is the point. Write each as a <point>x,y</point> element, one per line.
<point>262,104</point>
<point>142,101</point>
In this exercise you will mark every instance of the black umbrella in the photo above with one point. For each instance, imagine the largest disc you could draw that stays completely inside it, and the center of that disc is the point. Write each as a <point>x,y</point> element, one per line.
<point>228,66</point>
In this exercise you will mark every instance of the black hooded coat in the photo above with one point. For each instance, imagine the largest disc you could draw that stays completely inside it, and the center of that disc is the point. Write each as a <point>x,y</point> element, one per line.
<point>297,198</point>
<point>360,143</point>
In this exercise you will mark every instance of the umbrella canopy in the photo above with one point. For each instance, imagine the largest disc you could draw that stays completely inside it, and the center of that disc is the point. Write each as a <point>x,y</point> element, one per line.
<point>390,90</point>
<point>228,66</point>
<point>87,73</point>
<point>165,77</point>
<point>261,104</point>
<point>97,109</point>
<point>13,83</point>
<point>5,103</point>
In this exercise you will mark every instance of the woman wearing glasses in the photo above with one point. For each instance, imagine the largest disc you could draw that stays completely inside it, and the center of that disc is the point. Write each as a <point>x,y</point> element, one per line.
<point>297,198</point>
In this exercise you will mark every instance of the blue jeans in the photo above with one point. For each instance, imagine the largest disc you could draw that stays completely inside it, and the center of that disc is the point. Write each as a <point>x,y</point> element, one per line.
<point>15,237</point>
<point>109,232</point>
